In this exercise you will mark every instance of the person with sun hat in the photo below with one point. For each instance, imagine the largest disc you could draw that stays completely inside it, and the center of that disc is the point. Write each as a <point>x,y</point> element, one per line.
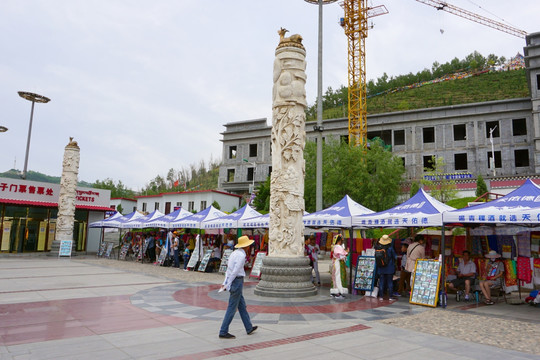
<point>234,283</point>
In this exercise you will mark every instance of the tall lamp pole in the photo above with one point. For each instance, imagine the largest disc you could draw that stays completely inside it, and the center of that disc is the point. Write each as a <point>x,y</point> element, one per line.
<point>34,98</point>
<point>319,127</point>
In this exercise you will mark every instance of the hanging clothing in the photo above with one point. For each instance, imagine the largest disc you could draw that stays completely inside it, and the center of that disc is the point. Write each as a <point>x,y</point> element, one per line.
<point>523,240</point>
<point>524,270</point>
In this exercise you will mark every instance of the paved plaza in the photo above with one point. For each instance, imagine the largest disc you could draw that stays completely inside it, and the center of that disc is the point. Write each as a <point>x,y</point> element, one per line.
<point>87,308</point>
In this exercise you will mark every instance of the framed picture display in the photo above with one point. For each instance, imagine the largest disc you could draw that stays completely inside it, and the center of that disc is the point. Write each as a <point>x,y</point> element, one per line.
<point>65,248</point>
<point>193,260</point>
<point>425,285</point>
<point>124,251</point>
<point>224,260</point>
<point>109,249</point>
<point>364,279</point>
<point>204,261</point>
<point>257,264</point>
<point>162,255</point>
<point>102,248</point>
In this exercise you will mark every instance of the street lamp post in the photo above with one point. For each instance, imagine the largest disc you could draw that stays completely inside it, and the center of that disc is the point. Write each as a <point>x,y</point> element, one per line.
<point>34,98</point>
<point>253,177</point>
<point>319,127</point>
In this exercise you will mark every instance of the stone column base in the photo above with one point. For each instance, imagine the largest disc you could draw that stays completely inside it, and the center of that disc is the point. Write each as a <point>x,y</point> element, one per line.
<point>285,277</point>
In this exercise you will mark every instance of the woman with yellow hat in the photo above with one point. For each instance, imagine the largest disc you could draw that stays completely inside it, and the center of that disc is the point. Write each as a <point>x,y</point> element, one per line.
<point>339,270</point>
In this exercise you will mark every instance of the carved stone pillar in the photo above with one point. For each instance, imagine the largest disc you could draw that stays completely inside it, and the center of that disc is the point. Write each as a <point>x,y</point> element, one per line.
<point>286,271</point>
<point>68,192</point>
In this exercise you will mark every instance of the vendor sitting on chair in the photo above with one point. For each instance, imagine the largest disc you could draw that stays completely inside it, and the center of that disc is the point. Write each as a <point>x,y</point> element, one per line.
<point>466,272</point>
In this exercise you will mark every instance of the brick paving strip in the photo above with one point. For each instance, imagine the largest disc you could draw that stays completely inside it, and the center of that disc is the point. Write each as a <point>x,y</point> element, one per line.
<point>267,344</point>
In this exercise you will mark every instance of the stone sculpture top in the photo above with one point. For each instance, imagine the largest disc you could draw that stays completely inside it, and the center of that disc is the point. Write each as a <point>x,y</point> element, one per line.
<point>293,40</point>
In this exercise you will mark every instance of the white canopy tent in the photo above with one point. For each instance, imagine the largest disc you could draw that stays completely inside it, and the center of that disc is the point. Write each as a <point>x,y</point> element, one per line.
<point>231,221</point>
<point>165,220</point>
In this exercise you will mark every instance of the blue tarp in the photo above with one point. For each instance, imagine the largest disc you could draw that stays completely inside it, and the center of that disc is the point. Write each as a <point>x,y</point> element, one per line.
<point>338,215</point>
<point>521,206</point>
<point>421,210</point>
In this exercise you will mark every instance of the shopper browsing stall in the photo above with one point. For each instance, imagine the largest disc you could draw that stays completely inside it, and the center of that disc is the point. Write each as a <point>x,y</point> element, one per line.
<point>339,271</point>
<point>385,256</point>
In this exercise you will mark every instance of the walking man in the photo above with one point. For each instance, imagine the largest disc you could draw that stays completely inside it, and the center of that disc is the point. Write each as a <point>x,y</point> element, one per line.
<point>234,282</point>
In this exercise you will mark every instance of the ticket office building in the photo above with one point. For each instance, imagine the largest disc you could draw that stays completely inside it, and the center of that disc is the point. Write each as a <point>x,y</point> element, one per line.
<point>28,214</point>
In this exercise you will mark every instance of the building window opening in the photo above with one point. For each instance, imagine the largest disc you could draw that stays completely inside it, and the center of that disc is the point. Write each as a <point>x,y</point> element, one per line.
<point>460,161</point>
<point>203,205</point>
<point>521,158</point>
<point>232,152</point>
<point>269,170</point>
<point>250,173</point>
<point>428,163</point>
<point>460,132</point>
<point>519,127</point>
<point>230,175</point>
<point>498,162</point>
<point>537,81</point>
<point>384,135</point>
<point>156,206</point>
<point>144,207</point>
<point>252,150</point>
<point>191,205</point>
<point>399,137</point>
<point>429,135</point>
<point>492,125</point>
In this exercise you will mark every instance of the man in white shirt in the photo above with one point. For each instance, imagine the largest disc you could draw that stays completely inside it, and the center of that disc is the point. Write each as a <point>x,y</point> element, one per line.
<point>466,272</point>
<point>234,282</point>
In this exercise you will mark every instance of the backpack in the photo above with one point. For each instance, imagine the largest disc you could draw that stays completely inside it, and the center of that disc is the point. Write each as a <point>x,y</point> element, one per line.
<point>381,256</point>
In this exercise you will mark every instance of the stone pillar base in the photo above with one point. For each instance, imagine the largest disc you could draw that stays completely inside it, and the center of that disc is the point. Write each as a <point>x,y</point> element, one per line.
<point>285,277</point>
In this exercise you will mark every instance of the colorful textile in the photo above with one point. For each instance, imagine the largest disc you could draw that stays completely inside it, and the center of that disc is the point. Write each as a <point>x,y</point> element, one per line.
<point>535,244</point>
<point>460,244</point>
<point>510,275</point>
<point>524,270</point>
<point>523,240</point>
<point>339,277</point>
<point>493,243</point>
<point>536,271</point>
<point>506,246</point>
<point>481,265</point>
<point>366,244</point>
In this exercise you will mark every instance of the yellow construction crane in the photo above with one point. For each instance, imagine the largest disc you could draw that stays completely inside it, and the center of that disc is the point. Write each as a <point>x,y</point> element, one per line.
<point>354,22</point>
<point>442,5</point>
<point>355,25</point>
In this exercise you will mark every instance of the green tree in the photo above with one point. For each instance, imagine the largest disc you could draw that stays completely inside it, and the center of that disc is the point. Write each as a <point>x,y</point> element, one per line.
<point>371,177</point>
<point>216,205</point>
<point>120,209</point>
<point>441,187</point>
<point>118,189</point>
<point>481,187</point>
<point>262,200</point>
<point>415,186</point>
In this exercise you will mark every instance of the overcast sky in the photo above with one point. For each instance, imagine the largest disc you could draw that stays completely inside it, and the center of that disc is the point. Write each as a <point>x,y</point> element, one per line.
<point>145,86</point>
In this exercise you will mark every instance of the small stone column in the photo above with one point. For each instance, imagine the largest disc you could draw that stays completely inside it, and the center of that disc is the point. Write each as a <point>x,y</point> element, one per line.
<point>286,271</point>
<point>68,192</point>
